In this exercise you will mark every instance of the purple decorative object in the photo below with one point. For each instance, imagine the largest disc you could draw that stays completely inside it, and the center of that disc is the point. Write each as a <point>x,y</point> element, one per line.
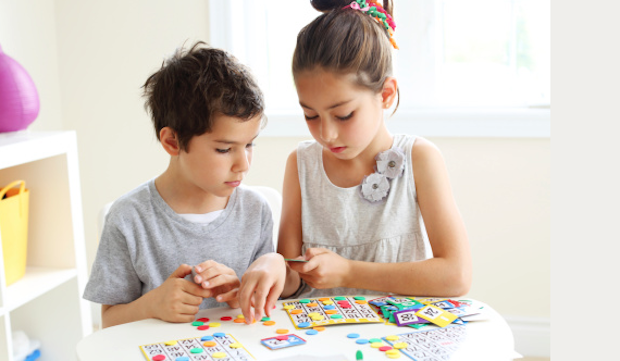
<point>19,99</point>
<point>408,317</point>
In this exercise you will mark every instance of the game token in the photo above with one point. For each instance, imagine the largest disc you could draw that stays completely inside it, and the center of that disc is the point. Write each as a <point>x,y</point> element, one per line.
<point>210,344</point>
<point>393,355</point>
<point>353,335</point>
<point>206,338</point>
<point>226,318</point>
<point>159,358</point>
<point>282,331</point>
<point>361,341</point>
<point>335,316</point>
<point>239,320</point>
<point>331,312</point>
<point>282,337</point>
<point>400,345</point>
<point>215,324</point>
<point>197,323</point>
<point>359,298</point>
<point>312,304</point>
<point>235,345</point>
<point>323,299</point>
<point>340,298</point>
<point>376,344</point>
<point>219,334</point>
<point>312,332</point>
<point>203,319</point>
<point>288,307</point>
<point>305,300</point>
<point>361,302</point>
<point>329,306</point>
<point>375,340</point>
<point>269,323</point>
<point>264,319</point>
<point>385,348</point>
<point>392,352</point>
<point>203,327</point>
<point>241,316</point>
<point>392,338</point>
<point>295,312</point>
<point>218,355</point>
<point>304,324</point>
<point>182,358</point>
<point>196,350</point>
<point>170,343</point>
<point>319,328</point>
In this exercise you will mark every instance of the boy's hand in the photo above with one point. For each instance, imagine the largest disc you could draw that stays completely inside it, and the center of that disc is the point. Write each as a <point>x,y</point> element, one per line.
<point>324,269</point>
<point>177,299</point>
<point>221,281</point>
<point>261,285</point>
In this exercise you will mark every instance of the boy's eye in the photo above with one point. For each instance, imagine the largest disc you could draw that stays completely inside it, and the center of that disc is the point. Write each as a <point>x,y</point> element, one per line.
<point>310,118</point>
<point>347,117</point>
<point>222,150</point>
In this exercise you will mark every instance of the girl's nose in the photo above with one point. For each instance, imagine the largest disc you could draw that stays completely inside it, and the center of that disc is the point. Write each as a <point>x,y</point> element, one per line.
<point>328,131</point>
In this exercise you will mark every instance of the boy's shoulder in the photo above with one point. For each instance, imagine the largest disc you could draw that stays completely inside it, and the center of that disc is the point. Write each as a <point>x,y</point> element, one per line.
<point>254,195</point>
<point>132,202</point>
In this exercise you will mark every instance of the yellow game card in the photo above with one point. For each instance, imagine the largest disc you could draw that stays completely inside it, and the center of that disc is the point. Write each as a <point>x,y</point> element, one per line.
<point>436,315</point>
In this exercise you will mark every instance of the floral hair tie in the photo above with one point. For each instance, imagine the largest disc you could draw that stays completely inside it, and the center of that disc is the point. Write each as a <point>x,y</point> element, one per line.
<point>377,12</point>
<point>390,164</point>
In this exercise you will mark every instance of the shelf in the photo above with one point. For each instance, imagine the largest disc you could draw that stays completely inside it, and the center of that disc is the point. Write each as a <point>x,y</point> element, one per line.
<point>36,282</point>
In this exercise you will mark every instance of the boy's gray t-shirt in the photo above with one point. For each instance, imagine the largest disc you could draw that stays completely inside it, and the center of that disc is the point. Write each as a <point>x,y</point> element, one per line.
<point>144,241</point>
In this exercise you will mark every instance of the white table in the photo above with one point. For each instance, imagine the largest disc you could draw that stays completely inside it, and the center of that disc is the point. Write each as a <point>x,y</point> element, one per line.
<point>486,340</point>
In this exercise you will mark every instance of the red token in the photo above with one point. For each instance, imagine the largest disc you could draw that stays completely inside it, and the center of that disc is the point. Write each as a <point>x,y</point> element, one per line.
<point>204,319</point>
<point>203,327</point>
<point>226,318</point>
<point>385,348</point>
<point>159,358</point>
<point>282,337</point>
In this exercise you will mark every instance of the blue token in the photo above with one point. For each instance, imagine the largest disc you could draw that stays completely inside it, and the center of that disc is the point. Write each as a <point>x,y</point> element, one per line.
<point>182,358</point>
<point>206,338</point>
<point>353,335</point>
<point>304,324</point>
<point>312,332</point>
<point>361,341</point>
<point>219,334</point>
<point>330,307</point>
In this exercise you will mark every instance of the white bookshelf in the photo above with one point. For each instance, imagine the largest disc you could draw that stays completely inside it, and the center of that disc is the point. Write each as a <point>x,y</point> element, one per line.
<point>47,302</point>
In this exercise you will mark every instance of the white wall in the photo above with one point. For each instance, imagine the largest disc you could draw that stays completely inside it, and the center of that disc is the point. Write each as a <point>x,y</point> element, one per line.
<point>89,59</point>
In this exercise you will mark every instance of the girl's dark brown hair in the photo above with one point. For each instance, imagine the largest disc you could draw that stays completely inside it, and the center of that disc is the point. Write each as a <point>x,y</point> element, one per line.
<point>194,86</point>
<point>345,41</point>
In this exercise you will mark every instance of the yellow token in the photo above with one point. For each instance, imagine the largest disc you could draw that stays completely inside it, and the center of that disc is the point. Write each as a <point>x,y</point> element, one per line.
<point>328,302</point>
<point>399,345</point>
<point>288,307</point>
<point>235,345</point>
<point>392,352</point>
<point>218,355</point>
<point>170,343</point>
<point>281,331</point>
<point>392,338</point>
<point>241,316</point>
<point>317,318</point>
<point>210,344</point>
<point>214,324</point>
<point>311,314</point>
<point>377,344</point>
<point>395,355</point>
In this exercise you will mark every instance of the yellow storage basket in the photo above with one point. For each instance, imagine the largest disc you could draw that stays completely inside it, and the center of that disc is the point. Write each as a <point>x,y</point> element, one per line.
<point>14,229</point>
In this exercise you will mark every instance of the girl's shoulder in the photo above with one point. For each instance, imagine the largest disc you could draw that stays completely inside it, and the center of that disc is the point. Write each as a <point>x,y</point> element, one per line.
<point>423,150</point>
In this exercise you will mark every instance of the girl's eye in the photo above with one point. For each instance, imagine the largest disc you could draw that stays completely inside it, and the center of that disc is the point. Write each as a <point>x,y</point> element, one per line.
<point>250,145</point>
<point>223,150</point>
<point>346,117</point>
<point>310,118</point>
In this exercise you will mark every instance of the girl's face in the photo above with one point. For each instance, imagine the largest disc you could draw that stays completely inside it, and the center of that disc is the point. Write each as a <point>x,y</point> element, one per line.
<point>342,116</point>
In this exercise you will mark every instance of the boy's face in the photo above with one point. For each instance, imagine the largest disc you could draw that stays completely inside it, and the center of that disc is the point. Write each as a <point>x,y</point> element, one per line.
<point>217,162</point>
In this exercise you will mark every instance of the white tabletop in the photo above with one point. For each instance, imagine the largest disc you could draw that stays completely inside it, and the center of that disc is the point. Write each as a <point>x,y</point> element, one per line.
<point>490,339</point>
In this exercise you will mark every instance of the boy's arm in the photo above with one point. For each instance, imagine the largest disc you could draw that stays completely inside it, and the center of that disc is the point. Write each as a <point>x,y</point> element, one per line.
<point>447,274</point>
<point>290,234</point>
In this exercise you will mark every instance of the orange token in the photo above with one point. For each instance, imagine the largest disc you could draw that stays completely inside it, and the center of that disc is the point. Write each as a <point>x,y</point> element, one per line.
<point>319,328</point>
<point>295,312</point>
<point>239,320</point>
<point>281,331</point>
<point>331,312</point>
<point>313,304</point>
<point>361,302</point>
<point>269,323</point>
<point>323,299</point>
<point>210,343</point>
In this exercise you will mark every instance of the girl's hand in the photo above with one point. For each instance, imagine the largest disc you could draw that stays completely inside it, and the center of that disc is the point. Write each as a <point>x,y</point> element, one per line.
<point>221,281</point>
<point>261,285</point>
<point>177,299</point>
<point>324,269</point>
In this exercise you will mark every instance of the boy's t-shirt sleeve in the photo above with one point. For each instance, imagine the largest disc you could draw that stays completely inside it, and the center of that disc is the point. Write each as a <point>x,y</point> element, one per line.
<point>113,279</point>
<point>265,244</point>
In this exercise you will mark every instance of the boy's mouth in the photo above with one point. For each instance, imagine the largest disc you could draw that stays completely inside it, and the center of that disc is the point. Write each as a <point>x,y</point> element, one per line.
<point>234,184</point>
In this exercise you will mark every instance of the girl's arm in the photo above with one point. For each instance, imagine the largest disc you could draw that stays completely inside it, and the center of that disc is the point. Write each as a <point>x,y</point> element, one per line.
<point>289,235</point>
<point>449,272</point>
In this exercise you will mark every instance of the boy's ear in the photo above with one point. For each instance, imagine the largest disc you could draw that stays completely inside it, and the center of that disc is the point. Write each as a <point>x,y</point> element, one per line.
<point>389,92</point>
<point>168,140</point>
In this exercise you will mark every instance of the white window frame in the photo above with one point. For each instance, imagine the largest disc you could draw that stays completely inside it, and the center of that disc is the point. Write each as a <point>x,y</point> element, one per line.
<point>228,31</point>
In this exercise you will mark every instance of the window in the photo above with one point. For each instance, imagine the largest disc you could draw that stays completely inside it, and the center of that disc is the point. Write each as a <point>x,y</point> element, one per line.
<point>460,61</point>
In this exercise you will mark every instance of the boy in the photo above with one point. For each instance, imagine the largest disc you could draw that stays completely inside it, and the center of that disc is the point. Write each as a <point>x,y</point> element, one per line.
<point>207,110</point>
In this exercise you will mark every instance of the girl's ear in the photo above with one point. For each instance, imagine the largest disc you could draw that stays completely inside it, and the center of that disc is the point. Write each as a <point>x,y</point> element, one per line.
<point>168,140</point>
<point>389,92</point>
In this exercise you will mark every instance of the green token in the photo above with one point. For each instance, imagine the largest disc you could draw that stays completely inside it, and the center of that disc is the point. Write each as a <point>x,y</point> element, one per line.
<point>359,298</point>
<point>336,316</point>
<point>265,319</point>
<point>197,323</point>
<point>196,350</point>
<point>305,300</point>
<point>373,340</point>
<point>340,298</point>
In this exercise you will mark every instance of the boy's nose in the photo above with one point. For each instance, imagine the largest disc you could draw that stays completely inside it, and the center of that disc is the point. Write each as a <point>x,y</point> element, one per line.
<point>242,162</point>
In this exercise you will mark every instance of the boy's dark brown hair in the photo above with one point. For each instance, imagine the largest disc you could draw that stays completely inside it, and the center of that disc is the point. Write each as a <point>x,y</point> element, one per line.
<point>194,86</point>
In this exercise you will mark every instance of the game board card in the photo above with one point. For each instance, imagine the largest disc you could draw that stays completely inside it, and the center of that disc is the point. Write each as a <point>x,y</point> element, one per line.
<point>219,346</point>
<point>436,315</point>
<point>327,311</point>
<point>408,317</point>
<point>431,345</point>
<point>463,311</point>
<point>277,342</point>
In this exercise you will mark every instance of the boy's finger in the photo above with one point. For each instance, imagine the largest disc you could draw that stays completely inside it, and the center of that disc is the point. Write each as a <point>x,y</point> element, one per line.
<point>205,265</point>
<point>273,296</point>
<point>245,294</point>
<point>219,281</point>
<point>196,290</point>
<point>182,271</point>
<point>228,296</point>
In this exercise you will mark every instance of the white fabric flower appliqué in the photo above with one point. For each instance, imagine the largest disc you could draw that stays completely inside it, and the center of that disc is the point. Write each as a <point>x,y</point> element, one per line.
<point>375,187</point>
<point>390,165</point>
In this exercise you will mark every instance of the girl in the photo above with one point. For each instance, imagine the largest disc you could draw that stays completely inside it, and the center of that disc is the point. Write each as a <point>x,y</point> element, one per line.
<point>355,197</point>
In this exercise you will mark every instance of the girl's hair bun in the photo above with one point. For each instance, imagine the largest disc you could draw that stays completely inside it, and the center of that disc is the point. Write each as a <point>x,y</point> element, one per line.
<point>328,5</point>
